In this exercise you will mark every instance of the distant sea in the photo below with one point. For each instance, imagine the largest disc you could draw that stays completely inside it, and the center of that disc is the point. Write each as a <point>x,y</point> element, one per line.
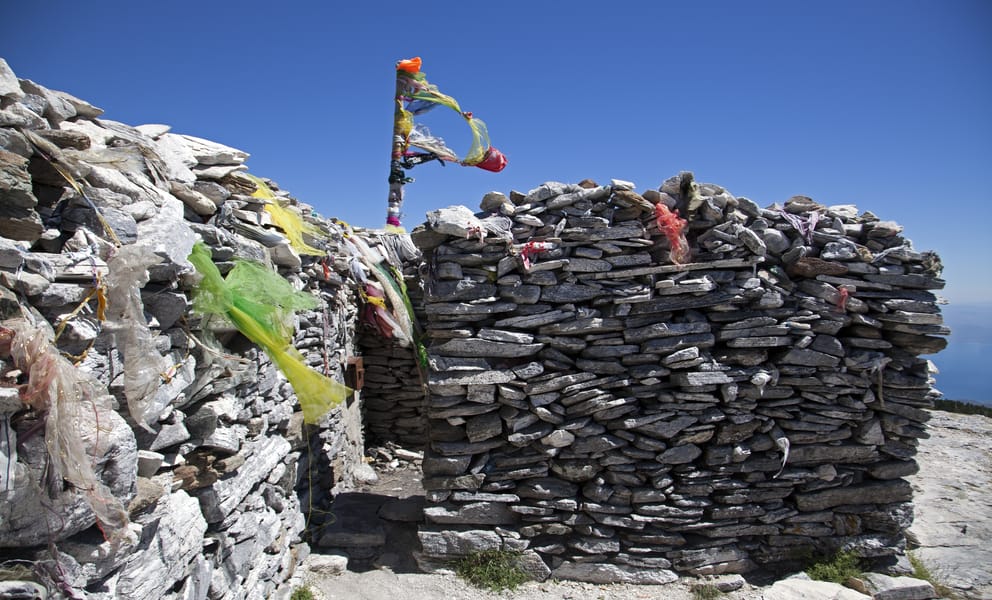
<point>966,364</point>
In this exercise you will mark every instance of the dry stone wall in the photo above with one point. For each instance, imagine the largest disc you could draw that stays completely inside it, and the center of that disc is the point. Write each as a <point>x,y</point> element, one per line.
<point>217,484</point>
<point>618,417</point>
<point>394,398</point>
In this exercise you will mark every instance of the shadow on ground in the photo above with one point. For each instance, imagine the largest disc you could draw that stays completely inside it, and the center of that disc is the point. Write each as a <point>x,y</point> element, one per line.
<point>374,530</point>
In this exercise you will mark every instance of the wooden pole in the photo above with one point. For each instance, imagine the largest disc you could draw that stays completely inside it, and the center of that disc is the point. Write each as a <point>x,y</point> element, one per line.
<point>397,176</point>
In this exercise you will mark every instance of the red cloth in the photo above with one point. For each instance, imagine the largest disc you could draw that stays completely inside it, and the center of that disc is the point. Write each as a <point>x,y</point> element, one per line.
<point>494,160</point>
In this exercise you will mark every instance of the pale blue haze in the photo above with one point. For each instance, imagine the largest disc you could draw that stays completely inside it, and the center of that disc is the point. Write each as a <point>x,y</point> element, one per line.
<point>882,104</point>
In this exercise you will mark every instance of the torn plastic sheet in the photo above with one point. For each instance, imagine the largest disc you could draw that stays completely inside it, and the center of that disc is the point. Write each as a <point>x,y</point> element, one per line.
<point>71,403</point>
<point>144,367</point>
<point>291,223</point>
<point>260,304</point>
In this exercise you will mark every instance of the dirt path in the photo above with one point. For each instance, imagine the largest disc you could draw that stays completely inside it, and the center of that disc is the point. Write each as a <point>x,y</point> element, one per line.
<point>385,585</point>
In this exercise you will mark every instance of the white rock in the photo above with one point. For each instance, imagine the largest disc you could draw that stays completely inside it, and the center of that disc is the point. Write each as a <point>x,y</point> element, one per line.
<point>808,589</point>
<point>610,573</point>
<point>364,473</point>
<point>9,85</point>
<point>177,157</point>
<point>154,130</point>
<point>885,587</point>
<point>456,221</point>
<point>169,547</point>
<point>327,564</point>
<point>168,234</point>
<point>212,153</point>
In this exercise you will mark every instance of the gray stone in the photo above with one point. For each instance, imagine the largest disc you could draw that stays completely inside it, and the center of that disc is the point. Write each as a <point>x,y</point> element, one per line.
<point>811,358</point>
<point>533,565</point>
<point>483,427</point>
<point>470,377</point>
<point>219,499</point>
<point>457,482</point>
<point>807,589</point>
<point>459,291</point>
<point>149,462</point>
<point>326,565</point>
<point>473,513</point>
<point>569,292</point>
<point>597,443</point>
<point>546,488</point>
<point>22,590</point>
<point>15,181</point>
<point>897,490</point>
<point>884,587</point>
<point>458,543</point>
<point>173,538</point>
<point>9,86</point>
<point>484,348</point>
<point>558,438</point>
<point>19,115</point>
<point>666,429</point>
<point>845,453</point>
<point>893,469</point>
<point>606,573</point>
<point>680,455</point>
<point>576,471</point>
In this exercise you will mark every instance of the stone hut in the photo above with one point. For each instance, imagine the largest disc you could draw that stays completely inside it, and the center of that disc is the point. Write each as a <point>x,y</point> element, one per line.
<point>614,398</point>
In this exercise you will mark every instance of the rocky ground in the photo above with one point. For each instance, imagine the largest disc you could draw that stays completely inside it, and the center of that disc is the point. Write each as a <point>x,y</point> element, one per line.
<point>952,529</point>
<point>953,523</point>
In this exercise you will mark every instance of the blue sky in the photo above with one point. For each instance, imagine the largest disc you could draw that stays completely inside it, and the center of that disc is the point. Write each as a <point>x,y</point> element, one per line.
<point>880,104</point>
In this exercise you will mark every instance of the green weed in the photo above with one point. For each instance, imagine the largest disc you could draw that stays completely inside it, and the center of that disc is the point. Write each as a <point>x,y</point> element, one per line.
<point>301,593</point>
<point>492,569</point>
<point>705,591</point>
<point>920,571</point>
<point>838,568</point>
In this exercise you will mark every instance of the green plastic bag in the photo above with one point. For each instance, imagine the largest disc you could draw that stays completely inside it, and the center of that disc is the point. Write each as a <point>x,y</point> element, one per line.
<point>260,304</point>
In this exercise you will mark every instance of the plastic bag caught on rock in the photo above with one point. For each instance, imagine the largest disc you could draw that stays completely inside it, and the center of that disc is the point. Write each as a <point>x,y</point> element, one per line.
<point>260,304</point>
<point>290,222</point>
<point>673,227</point>
<point>71,403</point>
<point>143,365</point>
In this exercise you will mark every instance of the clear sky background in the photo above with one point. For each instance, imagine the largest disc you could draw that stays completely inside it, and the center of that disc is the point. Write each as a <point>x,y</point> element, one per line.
<point>883,104</point>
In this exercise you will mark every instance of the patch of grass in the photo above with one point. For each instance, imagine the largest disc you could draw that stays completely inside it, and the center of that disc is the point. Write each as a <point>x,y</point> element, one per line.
<point>838,568</point>
<point>492,569</point>
<point>705,591</point>
<point>920,571</point>
<point>301,593</point>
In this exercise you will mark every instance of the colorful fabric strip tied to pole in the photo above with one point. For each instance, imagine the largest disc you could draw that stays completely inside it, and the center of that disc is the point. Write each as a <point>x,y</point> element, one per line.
<point>260,304</point>
<point>416,96</point>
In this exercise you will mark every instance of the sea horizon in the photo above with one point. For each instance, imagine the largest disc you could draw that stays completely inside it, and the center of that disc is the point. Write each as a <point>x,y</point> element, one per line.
<point>962,376</point>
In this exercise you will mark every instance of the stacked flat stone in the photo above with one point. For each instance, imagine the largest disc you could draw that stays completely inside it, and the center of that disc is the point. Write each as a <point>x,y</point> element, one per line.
<point>214,483</point>
<point>394,397</point>
<point>618,417</point>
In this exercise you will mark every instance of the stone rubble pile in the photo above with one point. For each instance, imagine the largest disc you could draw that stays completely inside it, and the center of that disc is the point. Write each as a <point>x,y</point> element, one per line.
<point>216,482</point>
<point>618,417</point>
